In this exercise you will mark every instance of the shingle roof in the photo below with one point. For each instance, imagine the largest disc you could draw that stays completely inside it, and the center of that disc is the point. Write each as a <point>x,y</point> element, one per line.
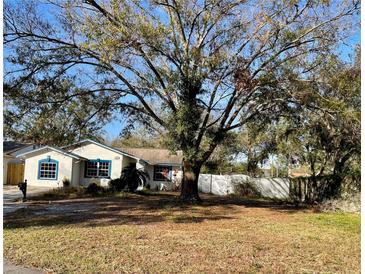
<point>151,155</point>
<point>155,155</point>
<point>10,146</point>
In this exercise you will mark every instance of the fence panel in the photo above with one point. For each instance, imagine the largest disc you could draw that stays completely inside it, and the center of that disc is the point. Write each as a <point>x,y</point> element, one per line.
<point>15,173</point>
<point>225,184</point>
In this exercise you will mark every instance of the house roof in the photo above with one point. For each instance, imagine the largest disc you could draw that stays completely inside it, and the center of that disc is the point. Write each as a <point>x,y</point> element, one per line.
<point>117,150</point>
<point>150,155</point>
<point>299,172</point>
<point>59,150</point>
<point>12,146</point>
<point>155,155</point>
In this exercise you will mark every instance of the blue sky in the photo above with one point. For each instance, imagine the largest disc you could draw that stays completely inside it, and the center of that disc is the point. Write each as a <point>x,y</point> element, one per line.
<point>113,129</point>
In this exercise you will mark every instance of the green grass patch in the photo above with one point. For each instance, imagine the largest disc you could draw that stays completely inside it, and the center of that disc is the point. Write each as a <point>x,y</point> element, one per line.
<point>342,221</point>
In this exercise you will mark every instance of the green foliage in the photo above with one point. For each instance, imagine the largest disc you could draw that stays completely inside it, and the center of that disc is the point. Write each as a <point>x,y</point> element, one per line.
<point>130,179</point>
<point>247,189</point>
<point>257,140</point>
<point>66,182</point>
<point>330,139</point>
<point>222,159</point>
<point>95,189</point>
<point>140,138</point>
<point>321,136</point>
<point>54,116</point>
<point>117,184</point>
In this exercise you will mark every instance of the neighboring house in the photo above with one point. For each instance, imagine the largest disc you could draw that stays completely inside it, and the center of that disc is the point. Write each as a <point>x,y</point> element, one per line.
<point>13,168</point>
<point>89,161</point>
<point>299,172</point>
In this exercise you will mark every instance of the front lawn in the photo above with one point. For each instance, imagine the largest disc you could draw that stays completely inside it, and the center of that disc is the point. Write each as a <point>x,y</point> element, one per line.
<point>155,234</point>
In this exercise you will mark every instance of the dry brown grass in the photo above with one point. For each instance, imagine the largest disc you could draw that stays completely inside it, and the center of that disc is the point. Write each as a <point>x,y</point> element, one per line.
<point>156,234</point>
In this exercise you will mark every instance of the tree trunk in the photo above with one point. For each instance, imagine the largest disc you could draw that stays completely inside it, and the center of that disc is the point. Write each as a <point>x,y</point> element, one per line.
<point>189,188</point>
<point>339,174</point>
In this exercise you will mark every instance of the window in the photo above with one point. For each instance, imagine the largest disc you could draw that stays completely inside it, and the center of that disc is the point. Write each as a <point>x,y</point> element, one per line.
<point>91,169</point>
<point>98,168</point>
<point>47,169</point>
<point>162,173</point>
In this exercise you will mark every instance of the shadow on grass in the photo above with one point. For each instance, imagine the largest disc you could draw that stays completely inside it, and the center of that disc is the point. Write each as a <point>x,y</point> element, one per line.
<point>132,209</point>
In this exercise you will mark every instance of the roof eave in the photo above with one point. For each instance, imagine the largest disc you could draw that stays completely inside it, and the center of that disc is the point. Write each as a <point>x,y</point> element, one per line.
<point>54,149</point>
<point>167,164</point>
<point>16,149</point>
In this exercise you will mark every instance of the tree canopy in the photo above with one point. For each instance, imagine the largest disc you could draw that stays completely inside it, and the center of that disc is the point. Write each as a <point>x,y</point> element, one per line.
<point>49,113</point>
<point>323,135</point>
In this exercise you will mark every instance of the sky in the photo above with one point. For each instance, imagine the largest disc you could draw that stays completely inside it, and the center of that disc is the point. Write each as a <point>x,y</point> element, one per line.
<point>113,129</point>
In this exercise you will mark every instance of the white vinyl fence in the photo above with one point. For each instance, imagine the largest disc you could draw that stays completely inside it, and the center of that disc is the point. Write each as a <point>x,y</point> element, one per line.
<point>225,184</point>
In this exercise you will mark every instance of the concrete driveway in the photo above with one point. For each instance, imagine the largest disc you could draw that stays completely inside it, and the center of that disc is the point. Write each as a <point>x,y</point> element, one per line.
<point>16,269</point>
<point>12,196</point>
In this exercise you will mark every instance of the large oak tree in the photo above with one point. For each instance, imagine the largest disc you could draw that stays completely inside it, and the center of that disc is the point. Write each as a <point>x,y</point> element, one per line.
<point>194,69</point>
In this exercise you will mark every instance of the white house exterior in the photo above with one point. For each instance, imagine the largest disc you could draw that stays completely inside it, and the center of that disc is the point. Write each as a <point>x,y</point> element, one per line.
<point>49,166</point>
<point>89,161</point>
<point>109,160</point>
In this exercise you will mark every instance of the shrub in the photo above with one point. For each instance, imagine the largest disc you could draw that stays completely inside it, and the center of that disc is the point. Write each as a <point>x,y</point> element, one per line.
<point>95,189</point>
<point>347,203</point>
<point>132,178</point>
<point>66,182</point>
<point>247,189</point>
<point>117,185</point>
<point>62,193</point>
<point>317,189</point>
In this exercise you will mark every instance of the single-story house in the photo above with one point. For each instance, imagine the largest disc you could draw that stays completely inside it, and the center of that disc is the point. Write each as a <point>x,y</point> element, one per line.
<point>89,161</point>
<point>13,167</point>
